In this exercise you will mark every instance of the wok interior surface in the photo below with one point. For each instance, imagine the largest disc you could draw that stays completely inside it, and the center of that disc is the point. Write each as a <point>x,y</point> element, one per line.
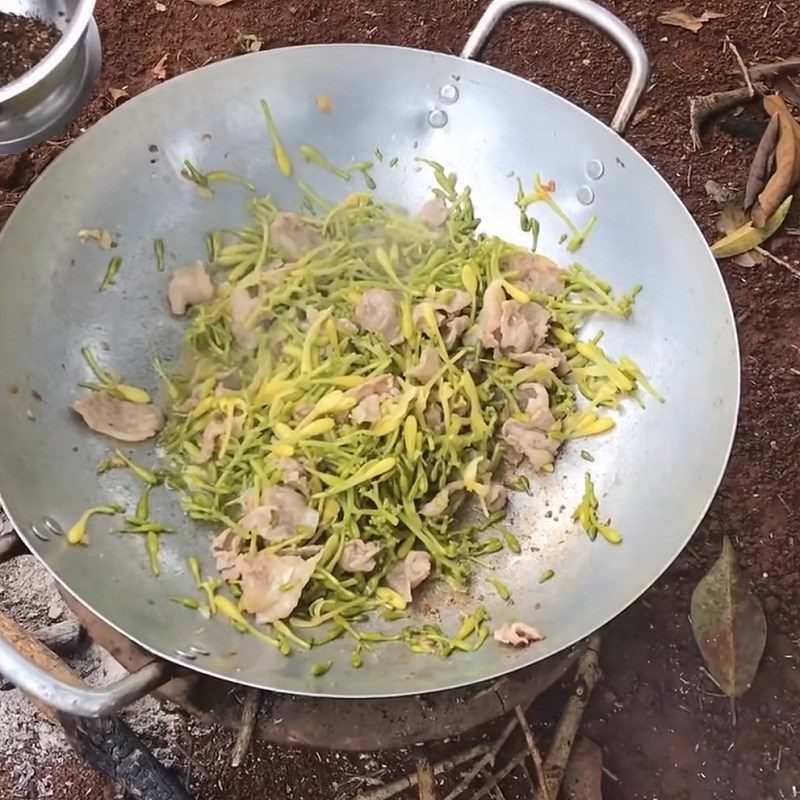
<point>655,474</point>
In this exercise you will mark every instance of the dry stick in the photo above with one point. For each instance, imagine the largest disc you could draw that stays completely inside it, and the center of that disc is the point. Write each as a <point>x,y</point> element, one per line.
<point>777,260</point>
<point>765,72</point>
<point>497,792</point>
<point>426,780</point>
<point>487,759</point>
<point>586,676</point>
<point>705,106</point>
<point>252,700</point>
<point>409,781</point>
<point>536,756</point>
<point>496,780</point>
<point>748,82</point>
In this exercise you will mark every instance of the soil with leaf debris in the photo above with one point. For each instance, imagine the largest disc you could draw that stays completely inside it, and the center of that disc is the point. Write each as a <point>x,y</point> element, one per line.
<point>665,728</point>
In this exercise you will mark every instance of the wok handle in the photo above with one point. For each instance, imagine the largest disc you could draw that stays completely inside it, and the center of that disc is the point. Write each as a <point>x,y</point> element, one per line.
<point>36,675</point>
<point>598,16</point>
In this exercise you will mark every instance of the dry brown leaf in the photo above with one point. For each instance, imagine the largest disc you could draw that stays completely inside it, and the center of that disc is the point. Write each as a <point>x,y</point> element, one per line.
<point>641,115</point>
<point>787,162</point>
<point>215,3</point>
<point>733,216</point>
<point>718,193</point>
<point>763,162</point>
<point>118,94</point>
<point>752,258</point>
<point>681,18</point>
<point>159,71</point>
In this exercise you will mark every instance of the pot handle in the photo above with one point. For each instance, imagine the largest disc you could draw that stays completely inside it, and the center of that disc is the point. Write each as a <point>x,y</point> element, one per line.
<point>598,16</point>
<point>71,699</point>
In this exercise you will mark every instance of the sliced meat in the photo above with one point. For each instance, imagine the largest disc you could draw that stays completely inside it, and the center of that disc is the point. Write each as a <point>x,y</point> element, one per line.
<point>367,410</point>
<point>517,634</point>
<point>420,321</point>
<point>497,497</point>
<point>453,329</point>
<point>537,272</point>
<point>281,512</point>
<point>537,405</point>
<point>491,313</point>
<point>120,419</point>
<point>188,287</point>
<point>377,312</point>
<point>433,212</point>
<point>293,475</point>
<point>242,328</point>
<point>409,573</point>
<point>379,384</point>
<point>225,549</point>
<point>434,417</point>
<point>293,234</point>
<point>213,433</point>
<point>429,364</point>
<point>359,556</point>
<point>440,502</point>
<point>526,440</point>
<point>523,326</point>
<point>272,585</point>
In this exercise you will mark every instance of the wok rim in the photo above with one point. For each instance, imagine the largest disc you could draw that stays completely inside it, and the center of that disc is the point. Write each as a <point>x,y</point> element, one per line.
<point>500,672</point>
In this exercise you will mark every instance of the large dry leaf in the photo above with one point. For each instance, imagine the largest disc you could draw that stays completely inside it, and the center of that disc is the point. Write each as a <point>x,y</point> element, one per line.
<point>216,3</point>
<point>748,236</point>
<point>584,773</point>
<point>787,162</point>
<point>763,162</point>
<point>729,624</point>
<point>681,18</point>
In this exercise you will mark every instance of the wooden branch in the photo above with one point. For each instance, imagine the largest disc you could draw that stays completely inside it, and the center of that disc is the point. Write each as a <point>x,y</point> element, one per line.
<point>426,780</point>
<point>706,106</point>
<point>586,676</point>
<point>765,72</point>
<point>62,637</point>
<point>536,756</point>
<point>252,701</point>
<point>410,781</point>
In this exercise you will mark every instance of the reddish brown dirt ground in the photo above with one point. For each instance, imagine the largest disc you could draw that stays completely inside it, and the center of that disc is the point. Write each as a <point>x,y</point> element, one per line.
<point>665,731</point>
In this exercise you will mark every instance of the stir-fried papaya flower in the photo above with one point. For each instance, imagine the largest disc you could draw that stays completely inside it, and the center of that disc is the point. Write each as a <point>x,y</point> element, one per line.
<point>354,379</point>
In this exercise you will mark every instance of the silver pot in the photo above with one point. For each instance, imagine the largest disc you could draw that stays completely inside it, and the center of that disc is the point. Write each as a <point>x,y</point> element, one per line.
<point>46,98</point>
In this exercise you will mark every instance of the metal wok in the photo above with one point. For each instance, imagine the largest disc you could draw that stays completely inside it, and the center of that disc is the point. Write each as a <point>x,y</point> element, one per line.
<point>656,473</point>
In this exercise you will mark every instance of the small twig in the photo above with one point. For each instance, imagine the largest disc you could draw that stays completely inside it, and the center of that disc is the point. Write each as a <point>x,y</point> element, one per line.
<point>611,774</point>
<point>748,82</point>
<point>777,260</point>
<point>586,676</point>
<point>536,756</point>
<point>705,106</point>
<point>765,72</point>
<point>410,781</point>
<point>497,792</point>
<point>734,718</point>
<point>496,780</point>
<point>426,780</point>
<point>252,700</point>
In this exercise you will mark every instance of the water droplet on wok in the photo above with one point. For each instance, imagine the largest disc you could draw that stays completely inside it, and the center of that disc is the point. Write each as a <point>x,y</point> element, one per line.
<point>448,93</point>
<point>585,195</point>
<point>437,118</point>
<point>595,169</point>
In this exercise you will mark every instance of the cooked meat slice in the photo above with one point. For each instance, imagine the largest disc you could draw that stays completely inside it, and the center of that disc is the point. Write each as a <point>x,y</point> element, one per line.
<point>213,433</point>
<point>293,234</point>
<point>379,384</point>
<point>523,326</point>
<point>497,497</point>
<point>537,405</point>
<point>367,410</point>
<point>242,307</point>
<point>440,502</point>
<point>292,474</point>
<point>281,512</point>
<point>491,313</point>
<point>537,272</point>
<point>409,573</point>
<point>433,212</point>
<point>188,287</point>
<point>434,418</point>
<point>359,556</point>
<point>525,440</point>
<point>420,321</point>
<point>428,365</point>
<point>272,584</point>
<point>453,329</point>
<point>377,312</point>
<point>444,305</point>
<point>120,419</point>
<point>225,549</point>
<point>517,634</point>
